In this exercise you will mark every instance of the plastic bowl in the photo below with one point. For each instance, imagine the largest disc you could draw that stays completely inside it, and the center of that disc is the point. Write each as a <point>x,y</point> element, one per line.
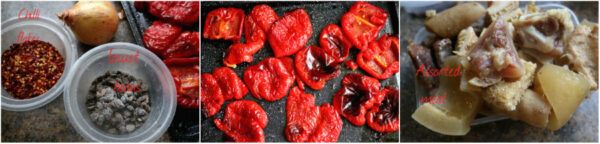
<point>50,31</point>
<point>424,36</point>
<point>149,68</point>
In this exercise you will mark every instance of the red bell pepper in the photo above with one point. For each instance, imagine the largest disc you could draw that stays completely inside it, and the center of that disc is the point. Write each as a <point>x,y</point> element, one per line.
<point>315,66</point>
<point>363,23</point>
<point>186,72</point>
<point>269,79</point>
<point>385,117</point>
<point>244,121</point>
<point>290,33</point>
<point>211,98</point>
<point>224,23</point>
<point>335,42</point>
<point>381,59</point>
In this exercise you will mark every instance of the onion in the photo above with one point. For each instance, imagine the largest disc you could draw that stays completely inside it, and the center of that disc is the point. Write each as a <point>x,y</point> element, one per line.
<point>93,22</point>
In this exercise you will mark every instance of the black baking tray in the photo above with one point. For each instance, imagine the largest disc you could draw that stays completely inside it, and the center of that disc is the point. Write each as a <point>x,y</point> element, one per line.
<point>321,14</point>
<point>185,125</point>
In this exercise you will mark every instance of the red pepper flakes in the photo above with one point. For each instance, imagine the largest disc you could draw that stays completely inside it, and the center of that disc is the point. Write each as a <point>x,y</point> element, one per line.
<point>30,69</point>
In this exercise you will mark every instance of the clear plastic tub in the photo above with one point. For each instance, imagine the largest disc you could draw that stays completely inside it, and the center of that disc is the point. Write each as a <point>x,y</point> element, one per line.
<point>149,68</point>
<point>424,36</point>
<point>50,31</point>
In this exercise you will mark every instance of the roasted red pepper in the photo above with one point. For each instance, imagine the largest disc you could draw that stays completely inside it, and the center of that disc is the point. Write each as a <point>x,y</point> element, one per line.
<point>384,118</point>
<point>168,41</point>
<point>242,52</point>
<point>244,121</point>
<point>363,23</point>
<point>186,45</point>
<point>212,96</point>
<point>358,94</point>
<point>264,16</point>
<point>315,66</point>
<point>381,59</point>
<point>290,33</point>
<point>289,65</point>
<point>160,36</point>
<point>224,23</point>
<point>185,72</point>
<point>335,42</point>
<point>269,79</point>
<point>231,85</point>
<point>179,12</point>
<point>351,64</point>
<point>309,123</point>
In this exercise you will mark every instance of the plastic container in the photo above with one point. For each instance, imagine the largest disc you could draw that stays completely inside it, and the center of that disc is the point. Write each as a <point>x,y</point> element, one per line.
<point>424,36</point>
<point>149,68</point>
<point>49,31</point>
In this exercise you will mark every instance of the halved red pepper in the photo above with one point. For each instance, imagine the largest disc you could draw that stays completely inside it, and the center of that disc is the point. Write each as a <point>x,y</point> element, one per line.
<point>385,117</point>
<point>290,33</point>
<point>243,121</point>
<point>242,52</point>
<point>289,65</point>
<point>212,96</point>
<point>231,85</point>
<point>363,23</point>
<point>224,23</point>
<point>315,66</point>
<point>264,16</point>
<point>381,59</point>
<point>185,72</point>
<point>358,94</point>
<point>335,42</point>
<point>269,79</point>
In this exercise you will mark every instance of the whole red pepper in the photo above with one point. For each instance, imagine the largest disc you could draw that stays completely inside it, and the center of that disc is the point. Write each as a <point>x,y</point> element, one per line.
<point>290,33</point>
<point>335,42</point>
<point>269,79</point>
<point>243,121</point>
<point>362,23</point>
<point>211,98</point>
<point>185,72</point>
<point>381,59</point>
<point>358,94</point>
<point>224,23</point>
<point>309,123</point>
<point>384,117</point>
<point>315,66</point>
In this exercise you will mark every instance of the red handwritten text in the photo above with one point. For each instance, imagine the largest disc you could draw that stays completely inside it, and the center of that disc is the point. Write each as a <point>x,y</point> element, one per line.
<point>122,58</point>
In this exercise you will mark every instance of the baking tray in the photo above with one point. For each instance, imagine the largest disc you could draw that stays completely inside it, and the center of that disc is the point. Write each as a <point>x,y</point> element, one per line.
<point>185,125</point>
<point>424,36</point>
<point>321,14</point>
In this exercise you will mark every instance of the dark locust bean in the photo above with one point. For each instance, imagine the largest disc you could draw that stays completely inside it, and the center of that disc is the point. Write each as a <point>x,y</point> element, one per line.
<point>118,111</point>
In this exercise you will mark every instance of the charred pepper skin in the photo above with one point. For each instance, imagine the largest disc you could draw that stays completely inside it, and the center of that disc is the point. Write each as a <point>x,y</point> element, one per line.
<point>290,33</point>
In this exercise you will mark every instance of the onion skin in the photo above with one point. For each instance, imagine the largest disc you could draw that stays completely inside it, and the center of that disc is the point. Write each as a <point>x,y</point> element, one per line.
<point>93,22</point>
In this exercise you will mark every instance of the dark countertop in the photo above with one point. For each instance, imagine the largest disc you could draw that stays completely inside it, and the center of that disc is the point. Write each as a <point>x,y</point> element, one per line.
<point>50,122</point>
<point>583,125</point>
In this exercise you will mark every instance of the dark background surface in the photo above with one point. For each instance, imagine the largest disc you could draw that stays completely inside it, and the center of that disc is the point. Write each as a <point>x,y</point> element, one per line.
<point>583,125</point>
<point>321,14</point>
